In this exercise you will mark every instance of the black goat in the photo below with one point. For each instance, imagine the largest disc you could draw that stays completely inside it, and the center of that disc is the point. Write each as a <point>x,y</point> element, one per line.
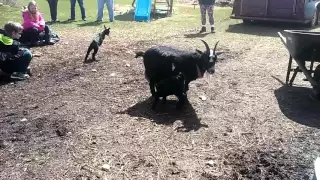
<point>161,62</point>
<point>96,42</point>
<point>171,86</point>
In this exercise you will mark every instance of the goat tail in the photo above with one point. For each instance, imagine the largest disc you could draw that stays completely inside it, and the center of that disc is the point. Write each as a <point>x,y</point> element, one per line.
<point>138,54</point>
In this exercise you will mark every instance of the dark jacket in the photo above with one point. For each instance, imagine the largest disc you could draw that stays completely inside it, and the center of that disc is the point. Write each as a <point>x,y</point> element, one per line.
<point>207,2</point>
<point>9,48</point>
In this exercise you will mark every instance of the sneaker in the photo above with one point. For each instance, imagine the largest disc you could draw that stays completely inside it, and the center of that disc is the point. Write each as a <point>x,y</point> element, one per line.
<point>203,29</point>
<point>212,29</point>
<point>84,19</point>
<point>19,76</point>
<point>99,20</point>
<point>55,21</point>
<point>49,43</point>
<point>71,19</point>
<point>35,43</point>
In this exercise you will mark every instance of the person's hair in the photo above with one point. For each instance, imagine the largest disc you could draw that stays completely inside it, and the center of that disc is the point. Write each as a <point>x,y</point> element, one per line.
<point>32,2</point>
<point>11,27</point>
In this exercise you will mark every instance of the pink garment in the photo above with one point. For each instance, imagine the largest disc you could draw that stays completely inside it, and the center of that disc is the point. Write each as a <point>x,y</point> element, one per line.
<point>28,22</point>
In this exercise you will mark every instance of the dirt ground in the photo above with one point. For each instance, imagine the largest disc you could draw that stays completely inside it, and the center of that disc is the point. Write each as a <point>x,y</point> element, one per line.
<point>93,121</point>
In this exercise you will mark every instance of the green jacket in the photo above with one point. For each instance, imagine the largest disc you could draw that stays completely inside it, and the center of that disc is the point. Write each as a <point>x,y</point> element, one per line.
<point>9,48</point>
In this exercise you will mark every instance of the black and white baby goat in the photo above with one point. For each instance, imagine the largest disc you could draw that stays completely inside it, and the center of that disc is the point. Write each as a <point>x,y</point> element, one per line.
<point>96,42</point>
<point>174,85</point>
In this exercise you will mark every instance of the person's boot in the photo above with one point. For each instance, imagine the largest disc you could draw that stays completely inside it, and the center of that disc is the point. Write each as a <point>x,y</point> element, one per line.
<point>47,40</point>
<point>212,29</point>
<point>203,29</point>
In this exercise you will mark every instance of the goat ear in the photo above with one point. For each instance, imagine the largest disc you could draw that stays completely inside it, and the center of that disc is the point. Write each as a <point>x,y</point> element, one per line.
<point>199,51</point>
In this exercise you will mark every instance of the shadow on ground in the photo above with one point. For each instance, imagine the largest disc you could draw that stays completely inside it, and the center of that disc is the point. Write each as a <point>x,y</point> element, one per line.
<point>269,29</point>
<point>129,16</point>
<point>196,35</point>
<point>4,79</point>
<point>297,105</point>
<point>90,23</point>
<point>167,114</point>
<point>65,22</point>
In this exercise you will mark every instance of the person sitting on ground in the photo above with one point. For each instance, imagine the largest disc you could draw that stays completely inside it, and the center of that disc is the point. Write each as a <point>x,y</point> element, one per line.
<point>14,60</point>
<point>34,25</point>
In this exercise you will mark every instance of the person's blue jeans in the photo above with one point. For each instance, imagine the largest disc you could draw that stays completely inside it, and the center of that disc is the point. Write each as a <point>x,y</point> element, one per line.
<point>73,13</point>
<point>18,63</point>
<point>109,4</point>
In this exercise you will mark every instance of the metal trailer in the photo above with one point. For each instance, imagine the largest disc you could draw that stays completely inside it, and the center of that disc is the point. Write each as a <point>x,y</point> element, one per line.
<point>297,11</point>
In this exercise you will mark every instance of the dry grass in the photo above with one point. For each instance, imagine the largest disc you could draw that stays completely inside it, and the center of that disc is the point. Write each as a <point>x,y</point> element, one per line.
<point>250,126</point>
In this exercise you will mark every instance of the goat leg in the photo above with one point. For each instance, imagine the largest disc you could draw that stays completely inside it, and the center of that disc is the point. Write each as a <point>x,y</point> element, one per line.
<point>151,84</point>
<point>155,101</point>
<point>88,52</point>
<point>164,99</point>
<point>186,86</point>
<point>95,50</point>
<point>182,99</point>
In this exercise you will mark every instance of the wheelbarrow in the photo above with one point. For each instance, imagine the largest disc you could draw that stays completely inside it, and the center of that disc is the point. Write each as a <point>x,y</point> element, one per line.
<point>303,46</point>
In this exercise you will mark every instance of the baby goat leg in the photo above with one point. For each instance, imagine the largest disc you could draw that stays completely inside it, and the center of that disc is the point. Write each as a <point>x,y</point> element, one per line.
<point>95,50</point>
<point>88,52</point>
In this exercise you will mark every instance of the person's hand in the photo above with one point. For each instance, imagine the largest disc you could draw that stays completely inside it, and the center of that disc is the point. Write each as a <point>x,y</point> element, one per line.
<point>24,8</point>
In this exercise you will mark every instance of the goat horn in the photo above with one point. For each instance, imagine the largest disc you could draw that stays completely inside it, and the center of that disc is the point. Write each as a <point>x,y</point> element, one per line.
<point>207,46</point>
<point>215,47</point>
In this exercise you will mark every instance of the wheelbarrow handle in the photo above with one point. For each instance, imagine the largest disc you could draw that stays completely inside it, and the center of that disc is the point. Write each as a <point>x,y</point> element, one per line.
<point>283,39</point>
